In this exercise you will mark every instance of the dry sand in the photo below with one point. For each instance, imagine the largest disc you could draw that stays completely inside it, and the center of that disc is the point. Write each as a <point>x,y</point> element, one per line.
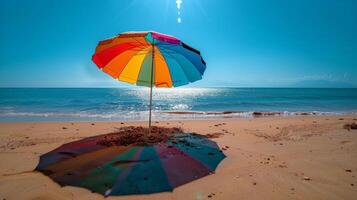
<point>300,157</point>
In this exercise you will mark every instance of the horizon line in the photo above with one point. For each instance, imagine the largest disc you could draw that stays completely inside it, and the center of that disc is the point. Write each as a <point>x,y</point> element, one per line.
<point>132,87</point>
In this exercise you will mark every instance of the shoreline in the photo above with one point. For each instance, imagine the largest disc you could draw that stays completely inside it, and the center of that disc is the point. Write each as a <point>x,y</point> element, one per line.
<point>294,157</point>
<point>267,116</point>
<point>163,116</point>
<point>255,114</point>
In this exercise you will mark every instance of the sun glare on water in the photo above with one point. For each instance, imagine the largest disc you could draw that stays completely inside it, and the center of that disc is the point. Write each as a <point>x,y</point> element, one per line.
<point>174,94</point>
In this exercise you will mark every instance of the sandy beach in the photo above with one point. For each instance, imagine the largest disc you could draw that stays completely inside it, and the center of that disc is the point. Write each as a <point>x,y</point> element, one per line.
<point>297,157</point>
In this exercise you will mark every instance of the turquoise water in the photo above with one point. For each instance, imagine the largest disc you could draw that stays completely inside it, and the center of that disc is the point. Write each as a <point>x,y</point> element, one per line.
<point>106,104</point>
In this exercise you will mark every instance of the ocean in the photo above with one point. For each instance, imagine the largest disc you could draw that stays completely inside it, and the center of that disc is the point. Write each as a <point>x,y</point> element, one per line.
<point>112,104</point>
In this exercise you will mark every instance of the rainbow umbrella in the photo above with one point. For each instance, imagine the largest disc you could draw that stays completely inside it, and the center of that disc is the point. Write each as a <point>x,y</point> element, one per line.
<point>149,59</point>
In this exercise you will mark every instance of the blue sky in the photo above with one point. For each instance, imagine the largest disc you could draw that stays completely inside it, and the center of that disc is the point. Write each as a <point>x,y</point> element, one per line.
<point>255,43</point>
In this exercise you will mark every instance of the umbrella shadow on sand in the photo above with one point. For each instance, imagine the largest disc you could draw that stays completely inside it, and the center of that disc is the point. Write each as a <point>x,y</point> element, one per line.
<point>130,162</point>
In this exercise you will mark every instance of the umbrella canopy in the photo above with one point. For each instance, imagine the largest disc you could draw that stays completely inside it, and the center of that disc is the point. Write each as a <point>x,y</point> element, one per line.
<point>131,169</point>
<point>149,59</point>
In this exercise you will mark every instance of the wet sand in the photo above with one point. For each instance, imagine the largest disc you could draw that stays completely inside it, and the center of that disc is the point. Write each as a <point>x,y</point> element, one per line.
<point>296,157</point>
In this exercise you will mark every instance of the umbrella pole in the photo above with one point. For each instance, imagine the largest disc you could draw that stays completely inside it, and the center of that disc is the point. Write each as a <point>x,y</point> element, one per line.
<point>151,81</point>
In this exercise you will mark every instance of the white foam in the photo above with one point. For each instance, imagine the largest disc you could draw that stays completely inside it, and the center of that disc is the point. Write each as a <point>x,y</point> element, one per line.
<point>180,107</point>
<point>173,114</point>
